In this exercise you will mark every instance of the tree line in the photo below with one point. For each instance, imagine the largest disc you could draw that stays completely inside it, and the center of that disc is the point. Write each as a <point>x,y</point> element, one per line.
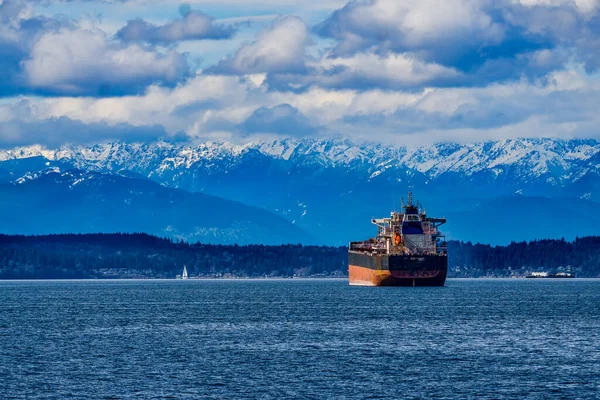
<point>142,255</point>
<point>145,256</point>
<point>581,256</point>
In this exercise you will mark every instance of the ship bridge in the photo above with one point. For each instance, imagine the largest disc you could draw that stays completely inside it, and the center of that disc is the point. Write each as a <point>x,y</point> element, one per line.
<point>411,225</point>
<point>411,231</point>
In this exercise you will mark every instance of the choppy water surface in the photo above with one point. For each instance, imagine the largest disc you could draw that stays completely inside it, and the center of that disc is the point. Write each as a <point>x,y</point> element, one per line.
<point>475,339</point>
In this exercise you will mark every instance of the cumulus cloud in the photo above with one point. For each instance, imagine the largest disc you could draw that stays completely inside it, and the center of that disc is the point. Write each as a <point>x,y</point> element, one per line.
<point>415,44</point>
<point>211,107</point>
<point>367,71</point>
<point>282,119</point>
<point>561,107</point>
<point>378,69</point>
<point>194,25</point>
<point>430,27</point>
<point>58,131</point>
<point>487,40</point>
<point>279,48</point>
<point>55,56</point>
<point>232,108</point>
<point>19,127</point>
<point>19,29</point>
<point>199,106</point>
<point>86,62</point>
<point>583,6</point>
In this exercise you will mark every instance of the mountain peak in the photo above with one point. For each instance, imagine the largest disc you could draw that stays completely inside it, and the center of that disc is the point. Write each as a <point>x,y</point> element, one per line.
<point>319,183</point>
<point>528,158</point>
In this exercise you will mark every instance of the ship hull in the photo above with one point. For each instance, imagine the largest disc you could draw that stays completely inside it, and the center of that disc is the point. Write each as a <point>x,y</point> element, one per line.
<point>396,270</point>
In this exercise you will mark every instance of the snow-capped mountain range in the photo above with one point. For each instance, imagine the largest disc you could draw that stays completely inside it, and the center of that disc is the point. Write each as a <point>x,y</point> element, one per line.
<point>565,160</point>
<point>320,183</point>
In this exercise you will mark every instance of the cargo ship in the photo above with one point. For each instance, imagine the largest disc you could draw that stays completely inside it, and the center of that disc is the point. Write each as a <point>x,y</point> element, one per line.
<point>409,250</point>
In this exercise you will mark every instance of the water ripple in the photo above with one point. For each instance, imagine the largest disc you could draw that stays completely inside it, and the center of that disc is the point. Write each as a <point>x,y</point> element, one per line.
<point>474,339</point>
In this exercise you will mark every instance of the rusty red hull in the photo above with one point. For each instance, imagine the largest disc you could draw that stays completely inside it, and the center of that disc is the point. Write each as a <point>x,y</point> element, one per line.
<point>397,270</point>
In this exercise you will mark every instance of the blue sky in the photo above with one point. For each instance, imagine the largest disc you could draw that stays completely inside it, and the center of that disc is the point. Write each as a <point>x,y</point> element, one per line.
<point>396,71</point>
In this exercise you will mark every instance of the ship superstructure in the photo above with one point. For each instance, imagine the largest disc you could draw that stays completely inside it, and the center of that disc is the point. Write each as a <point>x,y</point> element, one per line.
<point>409,250</point>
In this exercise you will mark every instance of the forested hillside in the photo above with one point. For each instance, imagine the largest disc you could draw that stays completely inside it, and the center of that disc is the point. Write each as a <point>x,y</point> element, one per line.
<point>582,256</point>
<point>141,255</point>
<point>145,256</point>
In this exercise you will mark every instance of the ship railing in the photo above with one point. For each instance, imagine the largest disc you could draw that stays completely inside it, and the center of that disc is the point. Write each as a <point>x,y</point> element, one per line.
<point>362,246</point>
<point>425,253</point>
<point>366,248</point>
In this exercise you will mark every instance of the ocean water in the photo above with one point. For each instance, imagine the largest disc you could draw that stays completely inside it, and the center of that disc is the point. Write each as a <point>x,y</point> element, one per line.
<point>314,339</point>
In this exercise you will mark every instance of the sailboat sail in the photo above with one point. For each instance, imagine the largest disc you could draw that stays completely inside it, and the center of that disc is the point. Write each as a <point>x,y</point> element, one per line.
<point>185,274</point>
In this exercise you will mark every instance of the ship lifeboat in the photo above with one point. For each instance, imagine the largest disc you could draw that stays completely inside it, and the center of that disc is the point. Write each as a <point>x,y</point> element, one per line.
<point>397,239</point>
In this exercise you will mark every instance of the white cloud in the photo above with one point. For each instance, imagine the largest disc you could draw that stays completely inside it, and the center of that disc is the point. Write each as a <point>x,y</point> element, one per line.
<point>20,124</point>
<point>411,25</point>
<point>177,109</point>
<point>192,26</point>
<point>490,41</point>
<point>210,106</point>
<point>584,6</point>
<point>387,70</point>
<point>279,48</point>
<point>368,70</point>
<point>85,62</point>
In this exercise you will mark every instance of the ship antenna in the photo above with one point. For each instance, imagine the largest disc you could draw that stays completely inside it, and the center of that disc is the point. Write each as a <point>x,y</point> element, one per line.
<point>410,198</point>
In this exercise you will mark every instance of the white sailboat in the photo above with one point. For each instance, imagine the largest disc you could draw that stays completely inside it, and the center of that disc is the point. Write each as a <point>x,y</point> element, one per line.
<point>185,274</point>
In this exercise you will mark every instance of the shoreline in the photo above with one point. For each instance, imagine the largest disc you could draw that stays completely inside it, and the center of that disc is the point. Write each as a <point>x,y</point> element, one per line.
<point>271,279</point>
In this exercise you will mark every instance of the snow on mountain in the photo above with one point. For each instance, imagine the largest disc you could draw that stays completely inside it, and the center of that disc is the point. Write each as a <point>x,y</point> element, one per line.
<point>528,158</point>
<point>322,183</point>
<point>29,176</point>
